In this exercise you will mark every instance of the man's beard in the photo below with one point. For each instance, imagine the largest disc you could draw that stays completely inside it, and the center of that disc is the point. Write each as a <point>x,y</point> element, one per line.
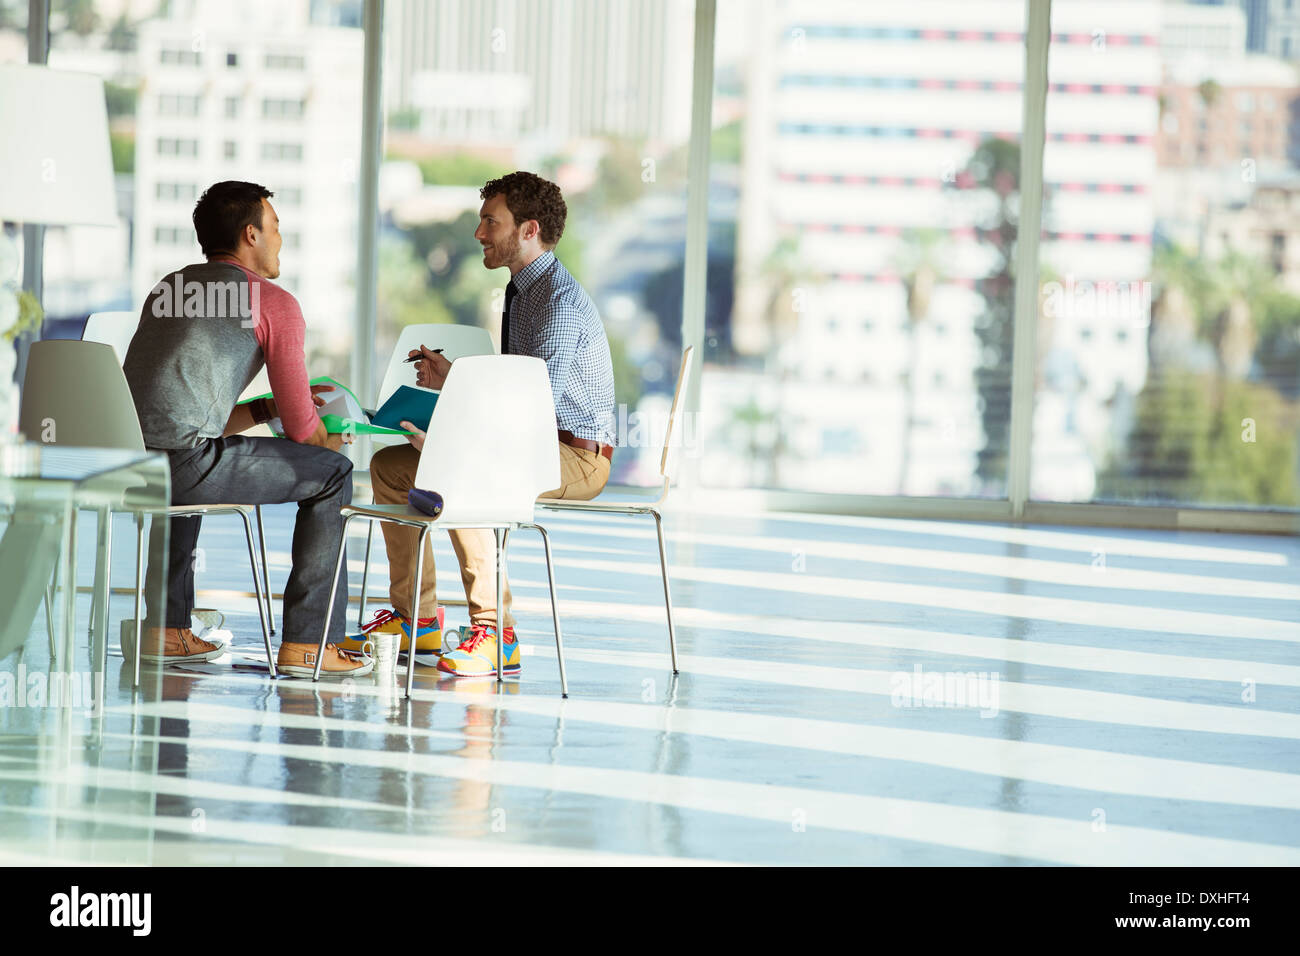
<point>506,251</point>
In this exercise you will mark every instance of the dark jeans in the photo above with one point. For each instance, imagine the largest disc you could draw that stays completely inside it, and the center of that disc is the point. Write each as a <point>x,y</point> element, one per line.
<point>263,471</point>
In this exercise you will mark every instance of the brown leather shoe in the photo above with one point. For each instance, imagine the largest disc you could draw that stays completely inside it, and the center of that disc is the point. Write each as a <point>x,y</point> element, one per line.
<point>299,660</point>
<point>176,645</point>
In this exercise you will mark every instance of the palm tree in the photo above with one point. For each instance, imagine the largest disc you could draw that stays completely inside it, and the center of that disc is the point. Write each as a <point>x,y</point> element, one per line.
<point>1238,284</point>
<point>920,271</point>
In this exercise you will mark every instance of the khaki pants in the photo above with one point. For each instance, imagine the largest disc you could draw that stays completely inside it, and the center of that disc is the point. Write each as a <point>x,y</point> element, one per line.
<point>392,473</point>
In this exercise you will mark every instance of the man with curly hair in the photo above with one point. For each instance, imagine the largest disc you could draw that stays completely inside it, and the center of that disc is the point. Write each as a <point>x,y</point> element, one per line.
<point>547,315</point>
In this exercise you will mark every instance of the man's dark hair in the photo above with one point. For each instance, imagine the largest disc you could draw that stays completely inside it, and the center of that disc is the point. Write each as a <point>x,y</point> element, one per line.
<point>529,196</point>
<point>224,210</point>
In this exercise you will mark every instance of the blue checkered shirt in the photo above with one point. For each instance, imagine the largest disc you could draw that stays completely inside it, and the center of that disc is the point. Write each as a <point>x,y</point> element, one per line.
<point>552,318</point>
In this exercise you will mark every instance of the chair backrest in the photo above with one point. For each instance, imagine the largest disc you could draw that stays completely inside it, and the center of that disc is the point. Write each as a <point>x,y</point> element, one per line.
<point>75,393</point>
<point>112,328</point>
<point>490,449</point>
<point>455,341</point>
<point>672,455</point>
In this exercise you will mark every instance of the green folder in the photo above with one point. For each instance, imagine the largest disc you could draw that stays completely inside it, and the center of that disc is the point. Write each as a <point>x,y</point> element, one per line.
<point>342,412</point>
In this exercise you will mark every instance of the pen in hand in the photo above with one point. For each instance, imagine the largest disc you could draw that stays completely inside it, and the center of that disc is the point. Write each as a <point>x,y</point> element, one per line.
<point>416,358</point>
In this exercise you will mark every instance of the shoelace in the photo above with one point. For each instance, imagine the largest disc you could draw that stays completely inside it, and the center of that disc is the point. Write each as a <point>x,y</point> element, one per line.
<point>384,616</point>
<point>478,634</point>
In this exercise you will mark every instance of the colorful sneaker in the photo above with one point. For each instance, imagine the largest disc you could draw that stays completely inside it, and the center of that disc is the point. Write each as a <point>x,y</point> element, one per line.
<point>477,654</point>
<point>428,638</point>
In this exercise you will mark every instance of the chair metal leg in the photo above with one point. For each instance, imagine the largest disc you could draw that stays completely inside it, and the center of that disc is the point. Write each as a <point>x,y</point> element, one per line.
<point>49,616</point>
<point>99,623</point>
<point>365,575</point>
<point>257,586</point>
<point>139,592</point>
<point>501,535</point>
<point>103,554</point>
<point>415,609</point>
<point>70,590</point>
<point>329,608</point>
<point>266,576</point>
<point>668,598</point>
<point>555,609</point>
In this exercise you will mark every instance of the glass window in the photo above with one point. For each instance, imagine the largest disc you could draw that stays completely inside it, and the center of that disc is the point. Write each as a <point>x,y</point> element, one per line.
<point>282,109</point>
<point>177,56</point>
<point>177,192</point>
<point>595,97</point>
<point>282,152</point>
<point>179,104</point>
<point>285,61</point>
<point>865,163</point>
<point>13,31</point>
<point>138,47</point>
<point>1188,391</point>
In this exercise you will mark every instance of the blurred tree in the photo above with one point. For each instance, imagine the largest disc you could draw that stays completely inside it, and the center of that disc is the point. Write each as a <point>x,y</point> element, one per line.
<point>123,148</point>
<point>919,264</point>
<point>1202,439</point>
<point>121,99</point>
<point>995,168</point>
<point>404,294</point>
<point>1237,285</point>
<point>458,169</point>
<point>79,16</point>
<point>122,35</point>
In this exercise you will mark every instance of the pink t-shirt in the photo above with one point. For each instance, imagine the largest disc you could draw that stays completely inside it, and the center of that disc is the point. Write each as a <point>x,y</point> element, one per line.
<point>280,330</point>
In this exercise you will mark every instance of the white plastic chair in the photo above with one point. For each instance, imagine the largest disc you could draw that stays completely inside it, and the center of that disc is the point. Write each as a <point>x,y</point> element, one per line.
<point>668,470</point>
<point>456,341</point>
<point>112,328</point>
<point>99,412</point>
<point>117,329</point>
<point>493,408</point>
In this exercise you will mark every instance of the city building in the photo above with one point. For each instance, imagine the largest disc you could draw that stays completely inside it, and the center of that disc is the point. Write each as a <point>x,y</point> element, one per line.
<point>861,122</point>
<point>540,73</point>
<point>279,105</point>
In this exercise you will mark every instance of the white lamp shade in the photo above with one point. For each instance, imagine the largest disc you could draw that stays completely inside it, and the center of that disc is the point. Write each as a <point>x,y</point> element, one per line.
<point>56,167</point>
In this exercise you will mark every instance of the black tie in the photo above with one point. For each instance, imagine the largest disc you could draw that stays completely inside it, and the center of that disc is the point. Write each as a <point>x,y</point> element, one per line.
<point>505,318</point>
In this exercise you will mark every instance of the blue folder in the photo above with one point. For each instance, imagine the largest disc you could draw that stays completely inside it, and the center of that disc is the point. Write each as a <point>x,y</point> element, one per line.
<point>407,404</point>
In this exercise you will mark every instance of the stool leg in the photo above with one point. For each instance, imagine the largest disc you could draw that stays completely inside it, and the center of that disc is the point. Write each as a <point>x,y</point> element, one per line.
<point>99,646</point>
<point>365,575</point>
<point>502,536</point>
<point>415,610</point>
<point>257,586</point>
<point>139,592</point>
<point>668,598</point>
<point>555,609</point>
<point>103,552</point>
<point>329,608</point>
<point>266,578</point>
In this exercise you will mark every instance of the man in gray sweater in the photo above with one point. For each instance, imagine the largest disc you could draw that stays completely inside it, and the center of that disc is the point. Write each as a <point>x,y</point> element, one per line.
<point>205,332</point>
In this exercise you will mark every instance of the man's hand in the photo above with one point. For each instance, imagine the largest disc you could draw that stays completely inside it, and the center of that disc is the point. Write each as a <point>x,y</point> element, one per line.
<point>416,437</point>
<point>323,439</point>
<point>315,397</point>
<point>431,369</point>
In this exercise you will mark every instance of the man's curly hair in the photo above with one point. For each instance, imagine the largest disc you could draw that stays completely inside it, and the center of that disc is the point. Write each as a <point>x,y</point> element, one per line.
<point>529,196</point>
